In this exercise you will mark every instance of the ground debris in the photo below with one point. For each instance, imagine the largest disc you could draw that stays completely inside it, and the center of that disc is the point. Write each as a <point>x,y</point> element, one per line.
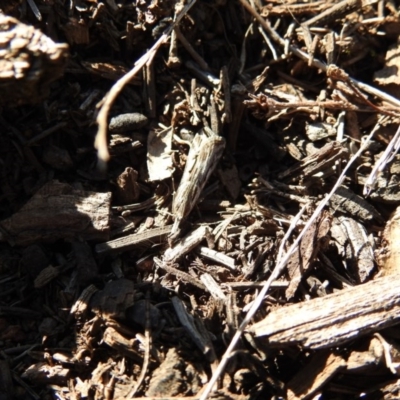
<point>198,199</point>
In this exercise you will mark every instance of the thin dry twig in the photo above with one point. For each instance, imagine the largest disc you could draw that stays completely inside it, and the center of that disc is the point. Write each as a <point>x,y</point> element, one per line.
<point>148,341</point>
<point>108,100</point>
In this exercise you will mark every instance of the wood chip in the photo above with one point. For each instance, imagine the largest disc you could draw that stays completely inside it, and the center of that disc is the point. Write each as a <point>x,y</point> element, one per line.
<point>336,318</point>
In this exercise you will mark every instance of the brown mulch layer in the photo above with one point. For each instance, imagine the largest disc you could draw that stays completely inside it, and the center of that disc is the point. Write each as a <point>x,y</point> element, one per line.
<point>128,276</point>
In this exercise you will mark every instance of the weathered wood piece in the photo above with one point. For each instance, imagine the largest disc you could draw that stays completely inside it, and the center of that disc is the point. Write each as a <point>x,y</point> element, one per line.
<point>185,245</point>
<point>188,321</point>
<point>127,242</point>
<point>213,287</point>
<point>348,202</point>
<point>217,257</point>
<point>58,211</point>
<point>128,190</point>
<point>46,276</point>
<point>335,318</point>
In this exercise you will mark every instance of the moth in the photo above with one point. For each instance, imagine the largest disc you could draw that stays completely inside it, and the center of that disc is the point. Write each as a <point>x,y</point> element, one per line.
<point>204,154</point>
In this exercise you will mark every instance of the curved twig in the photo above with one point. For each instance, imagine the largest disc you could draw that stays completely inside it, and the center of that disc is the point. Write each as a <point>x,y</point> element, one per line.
<point>100,142</point>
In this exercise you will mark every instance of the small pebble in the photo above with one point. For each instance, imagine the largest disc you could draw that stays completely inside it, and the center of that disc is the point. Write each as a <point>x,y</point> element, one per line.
<point>127,122</point>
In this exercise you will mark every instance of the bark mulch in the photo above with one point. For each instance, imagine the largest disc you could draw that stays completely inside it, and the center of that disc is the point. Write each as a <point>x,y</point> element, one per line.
<point>199,199</point>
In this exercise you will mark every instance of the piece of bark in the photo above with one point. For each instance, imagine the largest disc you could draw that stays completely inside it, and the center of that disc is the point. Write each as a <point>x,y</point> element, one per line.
<point>155,235</point>
<point>389,76</point>
<point>336,318</point>
<point>300,261</point>
<point>58,211</point>
<point>185,245</point>
<point>334,12</point>
<point>188,322</point>
<point>183,276</point>
<point>218,257</point>
<point>320,369</point>
<point>387,391</point>
<point>229,176</point>
<point>213,287</point>
<point>348,202</point>
<point>77,31</point>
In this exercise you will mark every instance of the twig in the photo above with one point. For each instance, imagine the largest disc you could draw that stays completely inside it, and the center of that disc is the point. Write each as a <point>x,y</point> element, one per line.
<point>224,78</point>
<point>173,58</point>
<point>126,242</point>
<point>189,48</point>
<point>279,269</point>
<point>217,257</point>
<point>35,10</point>
<point>269,43</point>
<point>147,348</point>
<point>204,76</point>
<point>337,10</point>
<point>100,142</point>
<point>185,245</point>
<point>46,132</point>
<point>188,323</point>
<point>150,90</point>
